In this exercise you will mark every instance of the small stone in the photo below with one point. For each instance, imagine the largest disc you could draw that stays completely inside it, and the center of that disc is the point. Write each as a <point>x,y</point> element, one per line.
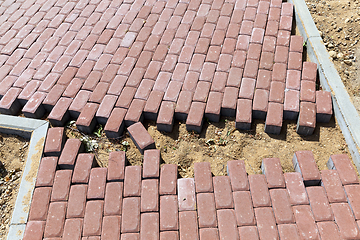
<point>333,54</point>
<point>348,62</point>
<point>340,55</point>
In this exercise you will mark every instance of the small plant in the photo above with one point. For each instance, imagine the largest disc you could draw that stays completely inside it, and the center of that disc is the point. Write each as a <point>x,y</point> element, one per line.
<point>98,131</point>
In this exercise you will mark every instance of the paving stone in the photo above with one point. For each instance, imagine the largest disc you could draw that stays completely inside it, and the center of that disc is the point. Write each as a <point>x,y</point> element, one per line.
<point>134,113</point>
<point>291,104</point>
<point>70,151</point>
<point>274,118</point>
<point>271,168</point>
<point>206,210</point>
<point>260,103</point>
<point>330,180</point>
<point>319,204</point>
<point>132,181</point>
<point>173,235</point>
<point>304,163</point>
<point>151,164</point>
<point>115,126</point>
<point>222,190</point>
<point>263,81</point>
<point>307,91</point>
<point>248,232</point>
<point>309,71</point>
<point>194,121</point>
<point>228,107</point>
<point>46,173</point>
<point>186,194</point>
<point>77,201</point>
<point>97,182</point>
<point>243,208</point>
<point>243,114</point>
<point>141,137</point>
<point>86,121</point>
<point>111,227</point>
<point>266,223</point>
<point>9,103</point>
<point>59,115</point>
<point>288,231</point>
<point>169,213</point>
<point>113,198</point>
<point>183,105</point>
<point>105,109</point>
<point>209,233</point>
<point>328,230</point>
<point>61,186</point>
<point>56,218</point>
<point>78,103</point>
<point>72,229</point>
<point>149,195</point>
<point>296,189</point>
<point>203,177</point>
<point>234,77</point>
<point>152,105</point>
<point>188,225</point>
<point>55,141</point>
<point>238,176</point>
<point>40,204</point>
<point>168,178</point>
<point>345,169</point>
<point>323,106</point>
<point>345,220</point>
<point>34,230</point>
<point>227,224</point>
<point>93,218</point>
<point>281,206</point>
<point>307,118</point>
<point>213,106</point>
<point>259,191</point>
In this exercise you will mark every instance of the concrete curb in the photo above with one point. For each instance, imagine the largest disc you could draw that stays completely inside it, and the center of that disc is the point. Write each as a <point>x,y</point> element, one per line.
<point>345,112</point>
<point>36,131</point>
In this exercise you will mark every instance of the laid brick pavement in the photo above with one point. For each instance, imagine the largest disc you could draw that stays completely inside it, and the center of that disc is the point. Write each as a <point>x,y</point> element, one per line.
<point>81,200</point>
<point>118,62</point>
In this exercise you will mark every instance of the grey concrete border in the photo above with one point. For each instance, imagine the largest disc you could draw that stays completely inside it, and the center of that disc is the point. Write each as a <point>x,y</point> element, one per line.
<point>345,112</point>
<point>36,131</point>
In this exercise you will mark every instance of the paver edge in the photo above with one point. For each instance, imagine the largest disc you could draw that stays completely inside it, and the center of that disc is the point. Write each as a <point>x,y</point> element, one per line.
<point>344,110</point>
<point>36,130</point>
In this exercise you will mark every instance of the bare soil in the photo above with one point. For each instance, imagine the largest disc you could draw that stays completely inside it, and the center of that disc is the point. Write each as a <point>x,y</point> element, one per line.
<point>222,142</point>
<point>338,22</point>
<point>13,153</point>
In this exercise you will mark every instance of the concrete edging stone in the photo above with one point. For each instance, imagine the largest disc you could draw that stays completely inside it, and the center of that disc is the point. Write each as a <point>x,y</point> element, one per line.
<point>36,131</point>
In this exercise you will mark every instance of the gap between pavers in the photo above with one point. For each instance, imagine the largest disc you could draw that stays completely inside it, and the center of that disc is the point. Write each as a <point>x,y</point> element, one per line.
<point>36,131</point>
<point>345,112</point>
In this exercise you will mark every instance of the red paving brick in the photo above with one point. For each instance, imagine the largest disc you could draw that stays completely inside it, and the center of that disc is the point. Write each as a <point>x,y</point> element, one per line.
<point>110,62</point>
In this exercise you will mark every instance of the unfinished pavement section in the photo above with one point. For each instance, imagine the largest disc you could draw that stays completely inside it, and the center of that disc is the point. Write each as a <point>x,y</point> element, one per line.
<point>35,131</point>
<point>151,202</point>
<point>345,112</point>
<point>117,62</point>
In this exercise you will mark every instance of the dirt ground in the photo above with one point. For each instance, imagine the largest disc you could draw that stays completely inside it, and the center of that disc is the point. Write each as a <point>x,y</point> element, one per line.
<point>13,153</point>
<point>221,142</point>
<point>338,22</point>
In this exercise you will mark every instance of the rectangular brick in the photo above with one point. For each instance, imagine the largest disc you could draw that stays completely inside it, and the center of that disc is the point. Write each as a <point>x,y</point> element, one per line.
<point>55,141</point>
<point>105,109</point>
<point>266,223</point>
<point>345,221</point>
<point>97,183</point>
<point>83,165</point>
<point>186,194</point>
<point>141,137</point>
<point>61,187</point>
<point>113,198</point>
<point>344,167</point>
<point>9,103</point>
<point>228,107</point>
<point>111,227</point>
<point>274,118</point>
<point>238,176</point>
<point>288,231</point>
<point>70,151</point>
<point>323,106</point>
<point>169,213</point>
<point>330,180</point>
<point>134,113</point>
<point>132,181</point>
<point>77,201</point>
<point>165,119</point>
<point>86,121</point>
<point>206,210</point>
<point>243,114</point>
<point>203,177</point>
<point>307,91</point>
<point>260,103</point>
<point>248,232</point>
<point>247,88</point>
<point>222,190</point>
<point>130,215</point>
<point>34,230</point>
<point>209,233</point>
<point>305,222</point>
<point>46,173</point>
<point>93,218</point>
<point>328,230</point>
<point>277,92</point>
<point>59,115</point>
<point>40,204</point>
<point>115,125</point>
<point>259,191</point>
<point>296,189</point>
<point>243,208</point>
<point>271,167</point>
<point>149,226</point>
<point>56,218</point>
<point>188,225</point>
<point>194,121</point>
<point>227,224</point>
<point>281,206</point>
<point>149,195</point>
<point>291,104</point>
<point>213,106</point>
<point>304,163</point>
<point>168,178</point>
<point>319,204</point>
